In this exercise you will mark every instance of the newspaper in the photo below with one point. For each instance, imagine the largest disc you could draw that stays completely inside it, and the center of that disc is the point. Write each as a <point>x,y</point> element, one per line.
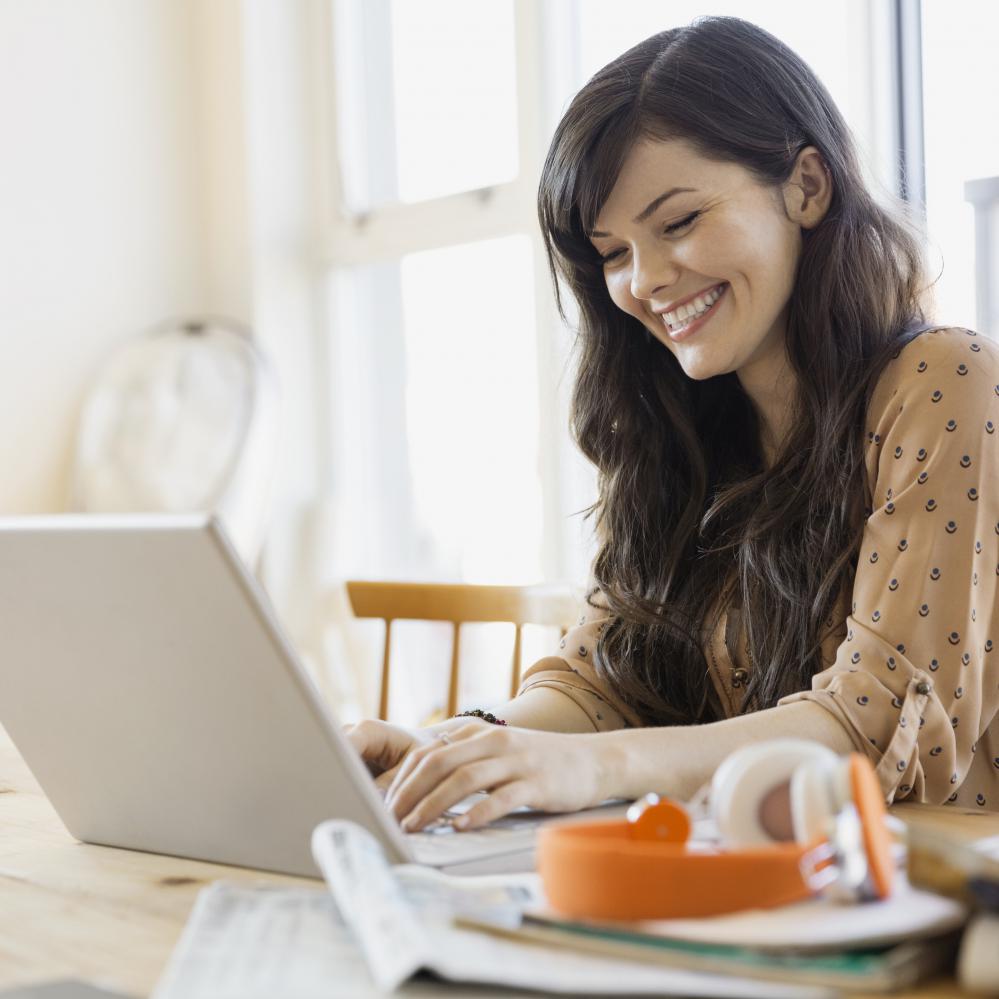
<point>256,942</point>
<point>246,941</point>
<point>403,919</point>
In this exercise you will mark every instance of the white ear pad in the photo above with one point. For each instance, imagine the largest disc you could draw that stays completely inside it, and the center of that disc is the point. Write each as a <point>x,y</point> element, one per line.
<point>746,776</point>
<point>819,790</point>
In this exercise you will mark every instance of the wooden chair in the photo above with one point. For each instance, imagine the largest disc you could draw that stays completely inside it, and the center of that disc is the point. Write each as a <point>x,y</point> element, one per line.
<point>460,604</point>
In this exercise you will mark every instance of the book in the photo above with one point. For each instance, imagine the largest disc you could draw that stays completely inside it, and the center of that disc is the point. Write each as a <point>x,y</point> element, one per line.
<point>876,947</point>
<point>879,969</point>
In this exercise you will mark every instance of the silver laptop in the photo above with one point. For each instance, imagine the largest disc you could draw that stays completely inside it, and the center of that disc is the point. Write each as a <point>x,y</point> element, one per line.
<point>146,682</point>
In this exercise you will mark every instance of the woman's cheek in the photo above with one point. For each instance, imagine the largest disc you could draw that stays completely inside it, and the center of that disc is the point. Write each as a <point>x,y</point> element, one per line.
<point>619,288</point>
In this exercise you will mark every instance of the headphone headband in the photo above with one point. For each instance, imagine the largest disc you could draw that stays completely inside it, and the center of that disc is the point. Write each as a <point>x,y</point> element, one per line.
<point>644,869</point>
<point>597,870</point>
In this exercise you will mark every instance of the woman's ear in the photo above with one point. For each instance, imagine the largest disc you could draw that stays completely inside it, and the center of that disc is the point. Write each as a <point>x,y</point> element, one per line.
<point>808,191</point>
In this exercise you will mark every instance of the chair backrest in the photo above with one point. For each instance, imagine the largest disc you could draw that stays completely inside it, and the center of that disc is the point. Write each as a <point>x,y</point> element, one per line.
<point>460,604</point>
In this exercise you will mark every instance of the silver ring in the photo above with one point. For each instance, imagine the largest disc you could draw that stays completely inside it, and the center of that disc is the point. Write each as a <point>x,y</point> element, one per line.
<point>444,737</point>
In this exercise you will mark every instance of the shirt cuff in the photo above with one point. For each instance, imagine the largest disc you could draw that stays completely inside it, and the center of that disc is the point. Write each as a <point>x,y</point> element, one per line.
<point>897,764</point>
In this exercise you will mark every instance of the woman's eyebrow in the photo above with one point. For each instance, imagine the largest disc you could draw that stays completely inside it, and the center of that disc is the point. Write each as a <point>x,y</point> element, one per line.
<point>650,208</point>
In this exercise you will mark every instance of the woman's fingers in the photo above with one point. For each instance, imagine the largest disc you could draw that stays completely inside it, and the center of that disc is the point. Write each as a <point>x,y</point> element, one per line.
<point>502,801</point>
<point>428,766</point>
<point>384,780</point>
<point>381,745</point>
<point>416,758</point>
<point>482,775</point>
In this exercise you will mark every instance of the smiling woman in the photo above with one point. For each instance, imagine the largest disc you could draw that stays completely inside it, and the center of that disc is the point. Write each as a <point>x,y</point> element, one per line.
<point>765,402</point>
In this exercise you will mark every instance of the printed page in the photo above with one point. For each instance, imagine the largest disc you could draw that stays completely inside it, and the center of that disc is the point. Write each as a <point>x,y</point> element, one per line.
<point>259,942</point>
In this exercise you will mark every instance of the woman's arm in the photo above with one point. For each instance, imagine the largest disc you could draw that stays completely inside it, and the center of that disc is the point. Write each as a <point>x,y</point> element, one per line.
<point>564,772</point>
<point>384,747</point>
<point>538,708</point>
<point>641,760</point>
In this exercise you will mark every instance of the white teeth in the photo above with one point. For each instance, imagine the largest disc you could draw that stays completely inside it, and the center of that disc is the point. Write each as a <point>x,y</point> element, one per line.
<point>692,309</point>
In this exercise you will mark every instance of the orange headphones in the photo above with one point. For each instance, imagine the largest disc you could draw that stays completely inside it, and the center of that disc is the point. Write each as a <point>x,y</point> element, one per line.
<point>643,868</point>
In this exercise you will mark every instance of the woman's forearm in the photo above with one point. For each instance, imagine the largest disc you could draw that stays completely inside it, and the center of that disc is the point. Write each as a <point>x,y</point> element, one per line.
<point>539,708</point>
<point>676,761</point>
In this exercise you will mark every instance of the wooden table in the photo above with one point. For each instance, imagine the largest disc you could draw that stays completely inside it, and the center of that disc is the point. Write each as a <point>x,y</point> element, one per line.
<point>72,910</point>
<point>112,917</point>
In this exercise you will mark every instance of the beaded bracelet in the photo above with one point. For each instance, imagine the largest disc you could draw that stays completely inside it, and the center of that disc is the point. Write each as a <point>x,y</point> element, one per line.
<point>479,713</point>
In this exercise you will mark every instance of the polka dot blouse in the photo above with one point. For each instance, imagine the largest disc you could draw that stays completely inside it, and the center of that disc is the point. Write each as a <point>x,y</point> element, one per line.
<point>910,665</point>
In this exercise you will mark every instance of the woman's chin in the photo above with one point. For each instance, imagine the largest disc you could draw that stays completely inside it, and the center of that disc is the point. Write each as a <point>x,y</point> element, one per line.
<point>695,361</point>
<point>698,365</point>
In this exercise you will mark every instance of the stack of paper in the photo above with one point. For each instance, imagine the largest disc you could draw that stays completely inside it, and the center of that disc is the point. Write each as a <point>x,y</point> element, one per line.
<point>413,917</point>
<point>383,929</point>
<point>406,920</point>
<point>880,946</point>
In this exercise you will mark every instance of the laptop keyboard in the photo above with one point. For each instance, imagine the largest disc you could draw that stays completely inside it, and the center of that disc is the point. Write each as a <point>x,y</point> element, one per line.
<point>440,843</point>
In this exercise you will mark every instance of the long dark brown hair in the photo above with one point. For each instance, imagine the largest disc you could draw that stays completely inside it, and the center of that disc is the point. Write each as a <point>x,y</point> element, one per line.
<point>686,504</point>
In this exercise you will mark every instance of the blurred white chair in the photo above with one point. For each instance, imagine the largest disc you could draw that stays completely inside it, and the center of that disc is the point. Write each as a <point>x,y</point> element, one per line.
<point>182,419</point>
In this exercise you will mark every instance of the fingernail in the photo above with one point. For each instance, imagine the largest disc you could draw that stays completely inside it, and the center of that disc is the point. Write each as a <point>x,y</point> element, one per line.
<point>460,822</point>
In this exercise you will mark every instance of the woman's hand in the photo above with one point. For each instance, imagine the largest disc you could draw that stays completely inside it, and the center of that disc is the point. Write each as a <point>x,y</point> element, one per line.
<point>550,771</point>
<point>383,747</point>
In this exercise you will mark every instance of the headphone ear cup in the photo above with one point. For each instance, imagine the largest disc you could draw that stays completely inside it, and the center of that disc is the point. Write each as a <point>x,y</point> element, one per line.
<point>817,794</point>
<point>870,802</point>
<point>820,791</point>
<point>744,779</point>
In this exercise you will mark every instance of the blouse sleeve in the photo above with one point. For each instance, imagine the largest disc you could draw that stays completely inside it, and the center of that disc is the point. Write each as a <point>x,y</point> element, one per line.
<point>915,681</point>
<point>573,673</point>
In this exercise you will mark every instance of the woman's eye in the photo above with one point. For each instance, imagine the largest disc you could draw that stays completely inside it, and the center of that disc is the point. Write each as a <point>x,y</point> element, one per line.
<point>682,224</point>
<point>609,258</point>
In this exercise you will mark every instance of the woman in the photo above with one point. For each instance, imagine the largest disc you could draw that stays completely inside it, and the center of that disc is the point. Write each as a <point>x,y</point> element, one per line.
<point>798,511</point>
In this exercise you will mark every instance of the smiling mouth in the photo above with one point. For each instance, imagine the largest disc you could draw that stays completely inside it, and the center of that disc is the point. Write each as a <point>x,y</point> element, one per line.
<point>685,315</point>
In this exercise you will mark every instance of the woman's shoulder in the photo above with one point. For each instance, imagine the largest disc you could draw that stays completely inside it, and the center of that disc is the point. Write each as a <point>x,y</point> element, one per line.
<point>943,353</point>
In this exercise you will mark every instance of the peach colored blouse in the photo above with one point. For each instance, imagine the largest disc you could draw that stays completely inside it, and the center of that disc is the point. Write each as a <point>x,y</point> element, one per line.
<point>911,670</point>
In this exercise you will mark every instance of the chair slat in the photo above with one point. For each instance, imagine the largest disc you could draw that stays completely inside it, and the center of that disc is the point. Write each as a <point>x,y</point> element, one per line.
<point>383,696</point>
<point>452,690</point>
<point>515,676</point>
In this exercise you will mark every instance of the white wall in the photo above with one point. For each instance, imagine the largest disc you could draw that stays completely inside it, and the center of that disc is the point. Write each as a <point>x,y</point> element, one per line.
<point>101,210</point>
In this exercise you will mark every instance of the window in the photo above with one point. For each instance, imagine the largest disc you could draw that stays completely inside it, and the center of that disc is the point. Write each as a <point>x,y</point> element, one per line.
<point>441,383</point>
<point>445,458</point>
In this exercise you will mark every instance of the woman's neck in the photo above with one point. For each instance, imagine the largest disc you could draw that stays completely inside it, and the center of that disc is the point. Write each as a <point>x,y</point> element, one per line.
<point>771,384</point>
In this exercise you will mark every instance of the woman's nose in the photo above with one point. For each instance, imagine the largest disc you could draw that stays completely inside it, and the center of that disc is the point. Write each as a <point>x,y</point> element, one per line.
<point>650,273</point>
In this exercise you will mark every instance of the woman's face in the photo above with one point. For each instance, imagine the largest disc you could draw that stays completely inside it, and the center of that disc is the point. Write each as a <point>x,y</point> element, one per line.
<point>704,256</point>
